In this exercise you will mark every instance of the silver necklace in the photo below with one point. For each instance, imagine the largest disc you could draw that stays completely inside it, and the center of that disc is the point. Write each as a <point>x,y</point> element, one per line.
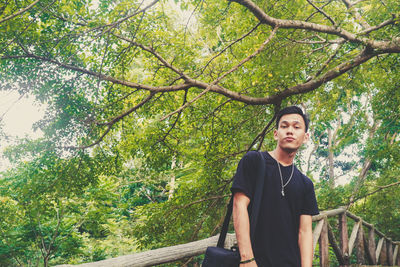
<point>290,178</point>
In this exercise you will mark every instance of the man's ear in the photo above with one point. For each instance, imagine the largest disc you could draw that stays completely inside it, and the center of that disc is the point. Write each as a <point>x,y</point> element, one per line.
<point>306,137</point>
<point>276,135</point>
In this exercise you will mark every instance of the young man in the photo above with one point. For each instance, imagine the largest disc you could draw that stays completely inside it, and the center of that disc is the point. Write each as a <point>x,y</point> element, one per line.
<point>283,235</point>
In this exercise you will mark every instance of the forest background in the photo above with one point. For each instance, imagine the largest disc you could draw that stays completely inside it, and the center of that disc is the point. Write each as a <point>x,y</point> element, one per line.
<point>150,105</point>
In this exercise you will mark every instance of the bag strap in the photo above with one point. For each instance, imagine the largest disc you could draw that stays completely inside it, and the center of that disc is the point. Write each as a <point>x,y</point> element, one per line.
<point>257,198</point>
<point>254,210</point>
<point>224,229</point>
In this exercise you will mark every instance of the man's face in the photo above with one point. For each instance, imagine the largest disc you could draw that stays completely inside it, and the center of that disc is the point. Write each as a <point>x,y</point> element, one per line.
<point>291,132</point>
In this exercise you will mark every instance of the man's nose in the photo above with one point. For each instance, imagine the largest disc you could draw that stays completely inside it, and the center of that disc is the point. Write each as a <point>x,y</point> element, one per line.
<point>289,130</point>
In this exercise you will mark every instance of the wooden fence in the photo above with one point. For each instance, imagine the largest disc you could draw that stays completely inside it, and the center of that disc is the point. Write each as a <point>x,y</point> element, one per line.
<point>368,251</point>
<point>370,246</point>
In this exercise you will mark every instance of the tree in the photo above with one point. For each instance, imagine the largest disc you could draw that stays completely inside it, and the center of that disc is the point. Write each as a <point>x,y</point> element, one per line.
<point>56,209</point>
<point>182,89</point>
<point>336,36</point>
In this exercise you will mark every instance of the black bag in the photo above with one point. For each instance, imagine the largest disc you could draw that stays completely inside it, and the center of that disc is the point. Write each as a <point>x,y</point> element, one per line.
<point>219,256</point>
<point>216,256</point>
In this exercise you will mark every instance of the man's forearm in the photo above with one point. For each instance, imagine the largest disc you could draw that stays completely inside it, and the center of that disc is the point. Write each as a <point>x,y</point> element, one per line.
<point>241,224</point>
<point>305,242</point>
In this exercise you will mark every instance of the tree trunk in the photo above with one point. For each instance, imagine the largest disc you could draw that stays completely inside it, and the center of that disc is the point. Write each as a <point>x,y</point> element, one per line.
<point>330,160</point>
<point>172,182</point>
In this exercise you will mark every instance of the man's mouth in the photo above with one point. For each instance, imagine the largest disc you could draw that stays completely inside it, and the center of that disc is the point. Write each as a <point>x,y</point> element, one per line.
<point>289,139</point>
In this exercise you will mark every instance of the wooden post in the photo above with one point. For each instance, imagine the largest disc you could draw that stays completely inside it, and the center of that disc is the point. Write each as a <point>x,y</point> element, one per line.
<point>389,252</point>
<point>383,257</point>
<point>316,234</point>
<point>334,245</point>
<point>395,254</point>
<point>353,236</point>
<point>360,245</point>
<point>398,255</point>
<point>344,237</point>
<point>371,246</point>
<point>324,245</point>
<point>379,249</point>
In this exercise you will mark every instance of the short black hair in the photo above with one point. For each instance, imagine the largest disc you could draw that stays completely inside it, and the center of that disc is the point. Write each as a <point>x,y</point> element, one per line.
<point>292,110</point>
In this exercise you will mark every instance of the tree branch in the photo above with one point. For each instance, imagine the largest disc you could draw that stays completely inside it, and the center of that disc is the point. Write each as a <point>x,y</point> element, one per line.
<point>351,4</point>
<point>116,23</point>
<point>129,111</point>
<point>209,87</point>
<point>26,27</point>
<point>19,12</point>
<point>155,89</point>
<point>322,12</point>
<point>355,13</point>
<point>312,14</point>
<point>190,17</point>
<point>262,134</point>
<point>377,27</point>
<point>328,76</point>
<point>273,99</point>
<point>114,120</point>
<point>201,200</point>
<point>365,168</point>
<point>392,46</point>
<point>55,234</point>
<point>376,191</point>
<point>176,120</point>
<point>229,46</point>
<point>154,53</point>
<point>326,63</point>
<point>295,24</point>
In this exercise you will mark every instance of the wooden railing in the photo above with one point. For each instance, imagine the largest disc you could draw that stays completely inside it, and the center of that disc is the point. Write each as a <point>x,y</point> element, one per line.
<point>367,252</point>
<point>373,249</point>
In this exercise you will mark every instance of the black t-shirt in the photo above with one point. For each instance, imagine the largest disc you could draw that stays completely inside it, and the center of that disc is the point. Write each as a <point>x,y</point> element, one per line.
<point>277,230</point>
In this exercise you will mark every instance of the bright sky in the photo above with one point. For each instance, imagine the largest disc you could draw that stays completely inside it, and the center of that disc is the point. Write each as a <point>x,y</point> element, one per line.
<point>16,117</point>
<point>18,114</point>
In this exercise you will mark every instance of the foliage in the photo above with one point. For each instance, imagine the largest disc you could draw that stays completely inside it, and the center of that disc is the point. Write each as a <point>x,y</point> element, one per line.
<point>152,104</point>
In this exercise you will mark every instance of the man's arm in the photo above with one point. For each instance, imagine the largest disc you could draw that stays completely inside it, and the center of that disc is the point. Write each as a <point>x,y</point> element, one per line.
<point>241,224</point>
<point>305,240</point>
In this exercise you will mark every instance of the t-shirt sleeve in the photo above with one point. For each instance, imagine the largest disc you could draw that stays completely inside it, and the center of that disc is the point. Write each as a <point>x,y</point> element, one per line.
<point>245,176</point>
<point>310,206</point>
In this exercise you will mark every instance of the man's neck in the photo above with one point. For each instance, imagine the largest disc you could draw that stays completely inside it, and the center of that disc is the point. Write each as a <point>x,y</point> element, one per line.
<point>283,157</point>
